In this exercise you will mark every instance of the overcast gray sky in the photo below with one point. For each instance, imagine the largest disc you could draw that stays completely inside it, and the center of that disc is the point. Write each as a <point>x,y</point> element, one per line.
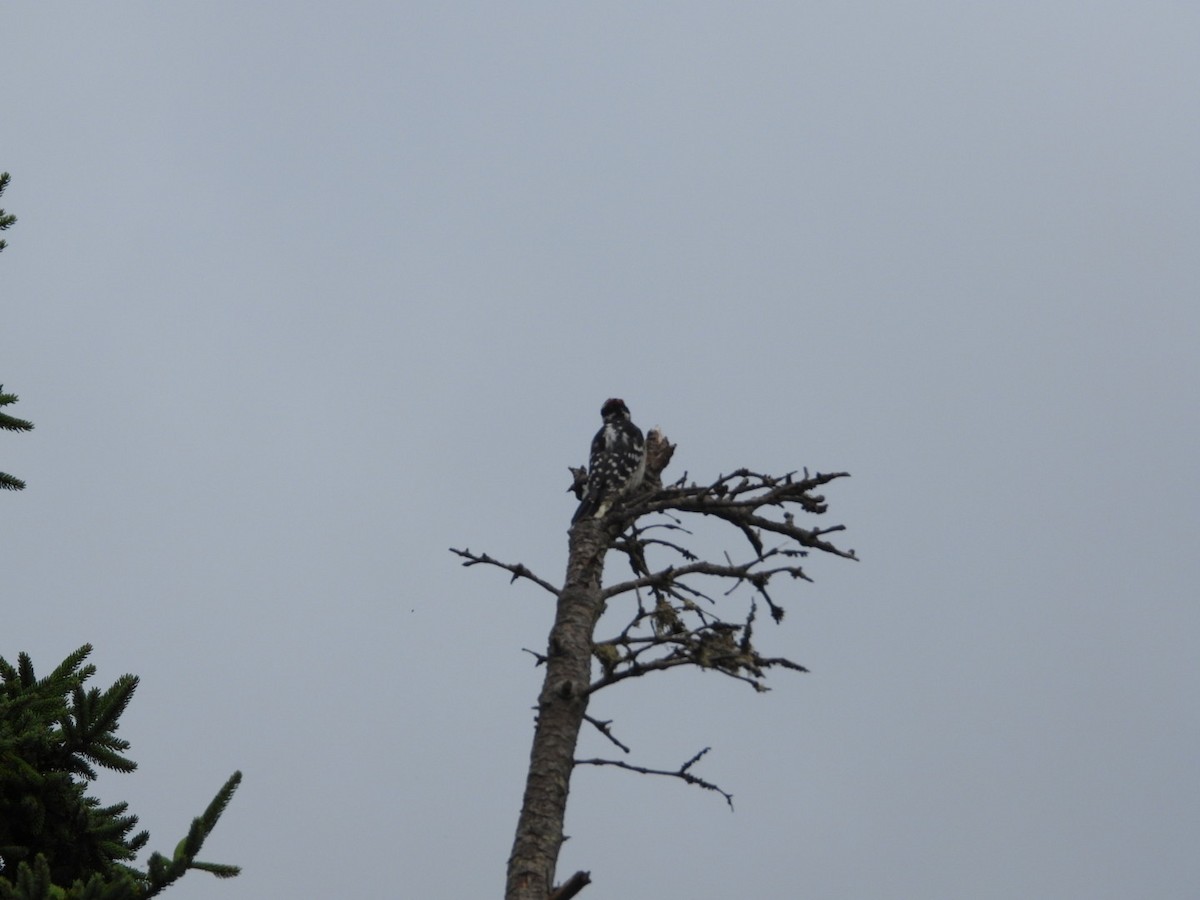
<point>303,294</point>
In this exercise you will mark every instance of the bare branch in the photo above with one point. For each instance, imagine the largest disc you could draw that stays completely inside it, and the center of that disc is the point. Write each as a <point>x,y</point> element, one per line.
<point>681,773</point>
<point>638,669</point>
<point>572,886</point>
<point>539,657</point>
<point>659,451</point>
<point>518,570</point>
<point>718,653</point>
<point>712,644</point>
<point>605,728</point>
<point>672,575</point>
<point>766,663</point>
<point>739,496</point>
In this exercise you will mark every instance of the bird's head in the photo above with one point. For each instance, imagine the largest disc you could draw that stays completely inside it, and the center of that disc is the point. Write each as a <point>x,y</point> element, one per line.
<point>614,407</point>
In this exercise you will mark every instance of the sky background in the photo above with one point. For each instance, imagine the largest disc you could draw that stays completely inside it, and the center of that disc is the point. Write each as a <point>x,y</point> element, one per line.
<point>302,295</point>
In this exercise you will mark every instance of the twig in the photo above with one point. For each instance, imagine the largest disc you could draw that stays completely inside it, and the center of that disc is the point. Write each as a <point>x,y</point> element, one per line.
<point>518,570</point>
<point>540,657</point>
<point>681,773</point>
<point>638,669</point>
<point>671,575</point>
<point>739,496</point>
<point>605,728</point>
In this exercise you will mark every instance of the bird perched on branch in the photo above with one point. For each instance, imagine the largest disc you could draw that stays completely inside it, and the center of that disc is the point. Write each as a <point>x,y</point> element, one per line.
<point>617,464</point>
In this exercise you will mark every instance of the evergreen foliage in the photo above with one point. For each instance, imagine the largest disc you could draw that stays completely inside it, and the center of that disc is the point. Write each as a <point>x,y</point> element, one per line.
<point>57,843</point>
<point>6,220</point>
<point>8,423</point>
<point>11,423</point>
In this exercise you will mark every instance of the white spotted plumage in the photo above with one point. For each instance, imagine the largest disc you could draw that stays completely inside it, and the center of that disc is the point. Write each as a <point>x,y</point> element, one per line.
<point>618,461</point>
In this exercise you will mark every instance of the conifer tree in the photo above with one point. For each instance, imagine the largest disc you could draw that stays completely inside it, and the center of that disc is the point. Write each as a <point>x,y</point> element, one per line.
<point>6,220</point>
<point>11,423</point>
<point>56,842</point>
<point>7,422</point>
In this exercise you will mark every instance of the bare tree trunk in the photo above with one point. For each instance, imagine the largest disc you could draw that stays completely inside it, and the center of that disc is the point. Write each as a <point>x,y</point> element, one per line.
<point>673,632</point>
<point>561,708</point>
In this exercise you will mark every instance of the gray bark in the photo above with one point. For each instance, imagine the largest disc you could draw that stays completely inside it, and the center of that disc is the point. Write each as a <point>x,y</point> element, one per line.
<point>561,708</point>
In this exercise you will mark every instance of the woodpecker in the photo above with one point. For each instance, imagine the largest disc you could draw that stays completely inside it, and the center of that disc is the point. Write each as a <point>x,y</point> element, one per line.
<point>618,461</point>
